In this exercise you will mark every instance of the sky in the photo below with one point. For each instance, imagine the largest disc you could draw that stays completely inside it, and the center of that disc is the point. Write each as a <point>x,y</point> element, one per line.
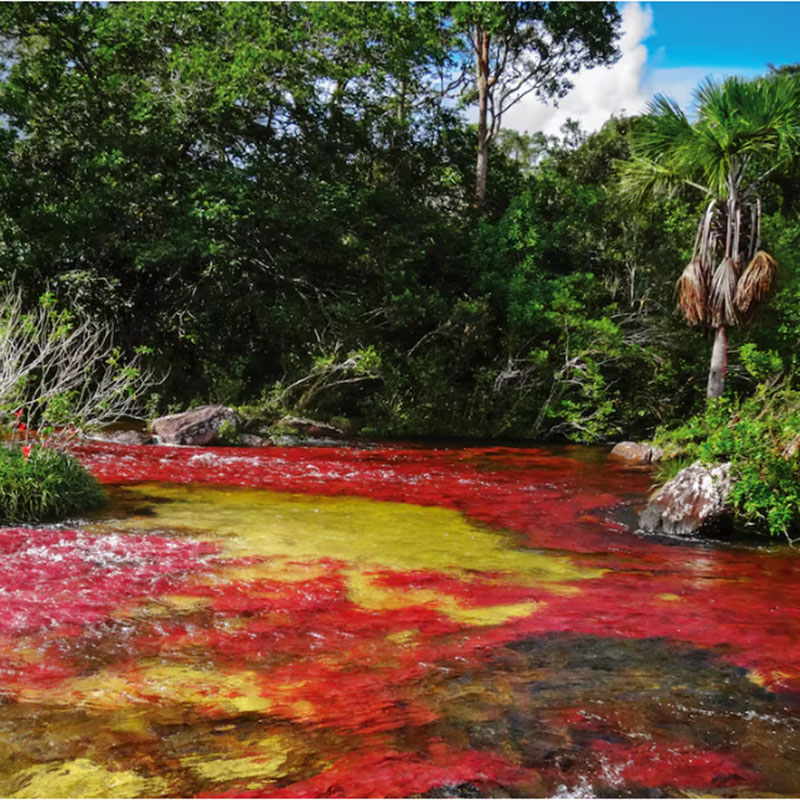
<point>669,47</point>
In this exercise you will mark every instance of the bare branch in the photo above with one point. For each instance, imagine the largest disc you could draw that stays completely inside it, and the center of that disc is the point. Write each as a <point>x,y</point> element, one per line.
<point>64,369</point>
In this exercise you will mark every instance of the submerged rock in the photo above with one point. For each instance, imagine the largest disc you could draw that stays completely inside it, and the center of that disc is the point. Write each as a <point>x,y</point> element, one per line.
<point>633,451</point>
<point>309,427</point>
<point>196,427</point>
<point>694,500</point>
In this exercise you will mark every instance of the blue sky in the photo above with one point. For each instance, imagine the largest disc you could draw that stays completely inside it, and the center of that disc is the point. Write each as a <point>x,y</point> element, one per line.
<point>670,47</point>
<point>737,36</point>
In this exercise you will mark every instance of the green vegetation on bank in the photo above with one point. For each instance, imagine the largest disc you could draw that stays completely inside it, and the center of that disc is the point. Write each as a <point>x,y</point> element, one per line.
<point>286,204</point>
<point>39,483</point>
<point>759,435</point>
<point>60,372</point>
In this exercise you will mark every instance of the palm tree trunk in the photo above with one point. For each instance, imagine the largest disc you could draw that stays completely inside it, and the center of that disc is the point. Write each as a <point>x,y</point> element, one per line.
<point>719,363</point>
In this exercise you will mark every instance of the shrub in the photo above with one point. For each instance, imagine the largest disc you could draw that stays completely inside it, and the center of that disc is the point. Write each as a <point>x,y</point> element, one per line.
<point>62,369</point>
<point>228,435</point>
<point>39,483</point>
<point>760,437</point>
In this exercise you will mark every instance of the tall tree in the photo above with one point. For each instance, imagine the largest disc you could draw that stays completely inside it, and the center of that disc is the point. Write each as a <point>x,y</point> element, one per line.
<point>745,132</point>
<point>226,179</point>
<point>517,49</point>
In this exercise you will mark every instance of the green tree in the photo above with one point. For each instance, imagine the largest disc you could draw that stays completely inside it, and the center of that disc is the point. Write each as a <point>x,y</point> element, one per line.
<point>232,182</point>
<point>516,49</point>
<point>745,132</point>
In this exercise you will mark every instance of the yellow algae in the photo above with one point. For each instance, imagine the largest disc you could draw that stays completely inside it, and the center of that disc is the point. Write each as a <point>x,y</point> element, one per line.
<point>668,596</point>
<point>84,778</point>
<point>361,532</point>
<point>130,723</point>
<point>765,678</point>
<point>367,593</point>
<point>407,638</point>
<point>168,605</point>
<point>265,759</point>
<point>183,602</point>
<point>491,615</point>
<point>285,570</point>
<point>224,692</point>
<point>212,692</point>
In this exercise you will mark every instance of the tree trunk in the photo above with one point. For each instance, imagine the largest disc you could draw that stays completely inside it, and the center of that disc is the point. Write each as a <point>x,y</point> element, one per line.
<point>482,70</point>
<point>719,362</point>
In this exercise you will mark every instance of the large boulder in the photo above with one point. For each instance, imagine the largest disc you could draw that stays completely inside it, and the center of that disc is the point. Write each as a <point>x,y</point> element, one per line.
<point>309,427</point>
<point>694,501</point>
<point>633,451</point>
<point>196,427</point>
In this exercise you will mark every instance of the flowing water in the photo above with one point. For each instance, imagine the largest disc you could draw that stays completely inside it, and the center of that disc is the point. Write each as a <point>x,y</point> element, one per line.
<point>392,622</point>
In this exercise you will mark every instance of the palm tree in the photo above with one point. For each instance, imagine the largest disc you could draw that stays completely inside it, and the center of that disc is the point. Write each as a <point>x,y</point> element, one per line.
<point>743,133</point>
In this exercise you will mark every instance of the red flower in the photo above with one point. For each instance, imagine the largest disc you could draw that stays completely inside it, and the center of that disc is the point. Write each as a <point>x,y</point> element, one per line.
<point>18,413</point>
<point>26,451</point>
<point>22,427</point>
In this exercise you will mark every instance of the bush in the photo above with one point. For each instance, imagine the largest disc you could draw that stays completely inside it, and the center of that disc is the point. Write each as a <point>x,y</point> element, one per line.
<point>760,437</point>
<point>62,370</point>
<point>228,435</point>
<point>39,483</point>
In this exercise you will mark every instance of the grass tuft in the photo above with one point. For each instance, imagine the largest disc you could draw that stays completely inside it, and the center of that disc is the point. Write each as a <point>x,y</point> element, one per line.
<point>40,483</point>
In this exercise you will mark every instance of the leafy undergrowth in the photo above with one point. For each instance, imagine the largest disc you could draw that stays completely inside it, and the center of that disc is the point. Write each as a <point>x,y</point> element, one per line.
<point>760,437</point>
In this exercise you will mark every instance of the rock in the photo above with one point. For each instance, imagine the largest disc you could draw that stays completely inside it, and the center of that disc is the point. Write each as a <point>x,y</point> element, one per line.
<point>633,451</point>
<point>196,427</point>
<point>122,437</point>
<point>286,440</point>
<point>309,427</point>
<point>251,440</point>
<point>130,437</point>
<point>694,500</point>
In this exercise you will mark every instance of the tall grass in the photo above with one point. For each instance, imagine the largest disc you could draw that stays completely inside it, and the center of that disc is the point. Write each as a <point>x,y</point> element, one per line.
<point>39,483</point>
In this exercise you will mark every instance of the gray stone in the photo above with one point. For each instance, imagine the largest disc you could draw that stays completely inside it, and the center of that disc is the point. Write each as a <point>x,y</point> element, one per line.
<point>122,437</point>
<point>309,427</point>
<point>694,500</point>
<point>633,451</point>
<point>130,437</point>
<point>286,440</point>
<point>251,440</point>
<point>196,427</point>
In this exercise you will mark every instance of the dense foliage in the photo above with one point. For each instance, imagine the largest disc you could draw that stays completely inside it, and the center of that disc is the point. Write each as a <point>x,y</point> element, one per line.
<point>760,436</point>
<point>39,483</point>
<point>279,200</point>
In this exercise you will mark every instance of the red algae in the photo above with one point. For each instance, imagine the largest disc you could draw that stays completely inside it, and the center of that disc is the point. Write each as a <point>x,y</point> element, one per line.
<point>677,765</point>
<point>53,577</point>
<point>639,664</point>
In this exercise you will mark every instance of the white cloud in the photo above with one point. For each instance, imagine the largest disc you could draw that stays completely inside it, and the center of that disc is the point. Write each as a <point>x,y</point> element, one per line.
<point>598,92</point>
<point>623,88</point>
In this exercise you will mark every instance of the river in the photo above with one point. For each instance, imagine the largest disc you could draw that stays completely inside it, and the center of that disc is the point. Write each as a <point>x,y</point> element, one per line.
<point>390,622</point>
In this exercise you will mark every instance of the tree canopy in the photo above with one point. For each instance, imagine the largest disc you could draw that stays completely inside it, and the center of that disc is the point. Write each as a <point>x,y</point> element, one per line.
<point>266,192</point>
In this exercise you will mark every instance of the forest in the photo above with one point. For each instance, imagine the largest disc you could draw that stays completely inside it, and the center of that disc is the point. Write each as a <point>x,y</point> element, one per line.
<point>317,208</point>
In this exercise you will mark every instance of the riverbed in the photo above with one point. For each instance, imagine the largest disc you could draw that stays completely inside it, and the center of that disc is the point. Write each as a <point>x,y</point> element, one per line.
<point>390,621</point>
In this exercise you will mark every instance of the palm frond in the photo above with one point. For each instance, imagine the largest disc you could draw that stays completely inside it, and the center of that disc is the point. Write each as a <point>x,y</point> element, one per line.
<point>721,306</point>
<point>693,293</point>
<point>755,284</point>
<point>641,179</point>
<point>743,131</point>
